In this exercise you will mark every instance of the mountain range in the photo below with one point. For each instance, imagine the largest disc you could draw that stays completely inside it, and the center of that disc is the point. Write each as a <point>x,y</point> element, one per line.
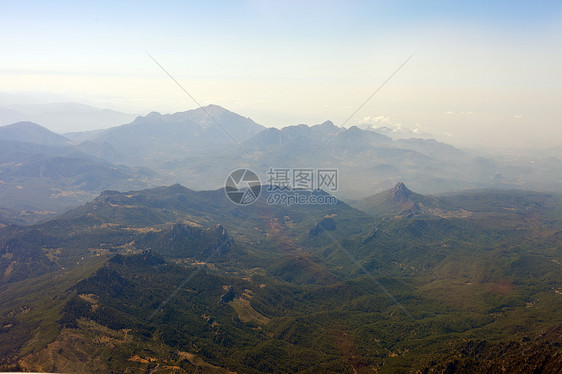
<point>175,280</point>
<point>199,148</point>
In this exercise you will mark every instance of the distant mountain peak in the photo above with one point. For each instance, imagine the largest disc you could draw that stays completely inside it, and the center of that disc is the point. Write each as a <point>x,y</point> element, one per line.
<point>400,192</point>
<point>215,107</point>
<point>328,124</point>
<point>25,124</point>
<point>30,132</point>
<point>28,125</point>
<point>400,186</point>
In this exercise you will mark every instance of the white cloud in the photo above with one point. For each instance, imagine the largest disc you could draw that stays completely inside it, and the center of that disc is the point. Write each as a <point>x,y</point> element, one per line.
<point>382,121</point>
<point>450,113</point>
<point>392,127</point>
<point>518,116</point>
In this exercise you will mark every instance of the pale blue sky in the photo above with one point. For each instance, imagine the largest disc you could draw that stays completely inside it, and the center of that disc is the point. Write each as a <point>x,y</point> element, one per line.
<point>484,71</point>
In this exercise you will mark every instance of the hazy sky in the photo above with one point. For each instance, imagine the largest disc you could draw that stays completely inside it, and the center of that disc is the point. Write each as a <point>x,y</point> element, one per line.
<point>484,72</point>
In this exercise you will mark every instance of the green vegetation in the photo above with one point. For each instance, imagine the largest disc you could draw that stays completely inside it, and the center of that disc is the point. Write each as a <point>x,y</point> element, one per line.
<point>172,280</point>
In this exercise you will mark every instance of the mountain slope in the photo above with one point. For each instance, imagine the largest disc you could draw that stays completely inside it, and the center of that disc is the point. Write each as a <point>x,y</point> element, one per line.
<point>157,139</point>
<point>29,132</point>
<point>397,200</point>
<point>163,215</point>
